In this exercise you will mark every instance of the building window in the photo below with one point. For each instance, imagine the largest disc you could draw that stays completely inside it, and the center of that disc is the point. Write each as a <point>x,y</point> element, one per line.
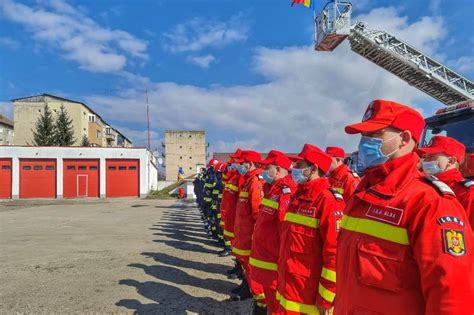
<point>92,118</point>
<point>180,157</point>
<point>132,168</point>
<point>122,168</point>
<point>26,168</point>
<point>1,130</point>
<point>71,167</point>
<point>82,168</point>
<point>190,168</point>
<point>180,146</point>
<point>92,168</point>
<point>190,157</point>
<point>38,168</point>
<point>49,168</point>
<point>6,167</point>
<point>112,168</point>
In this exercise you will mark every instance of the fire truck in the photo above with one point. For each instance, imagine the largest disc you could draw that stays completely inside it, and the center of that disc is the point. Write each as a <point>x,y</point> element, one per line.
<point>333,25</point>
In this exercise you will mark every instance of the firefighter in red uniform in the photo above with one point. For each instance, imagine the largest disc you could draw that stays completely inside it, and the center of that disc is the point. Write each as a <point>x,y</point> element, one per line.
<point>442,158</point>
<point>341,177</point>
<point>307,259</point>
<point>404,246</point>
<point>248,206</point>
<point>266,237</point>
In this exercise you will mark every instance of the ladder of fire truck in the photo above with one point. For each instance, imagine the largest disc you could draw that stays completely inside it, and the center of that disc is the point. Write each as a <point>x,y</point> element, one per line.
<point>333,25</point>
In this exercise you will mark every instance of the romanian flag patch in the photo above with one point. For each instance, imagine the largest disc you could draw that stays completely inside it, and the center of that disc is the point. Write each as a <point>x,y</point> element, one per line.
<point>454,242</point>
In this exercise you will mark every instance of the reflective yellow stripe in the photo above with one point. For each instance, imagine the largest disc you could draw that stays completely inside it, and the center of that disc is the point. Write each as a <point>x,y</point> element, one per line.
<point>244,194</point>
<point>220,196</point>
<point>221,223</point>
<point>219,215</point>
<point>207,199</point>
<point>213,207</point>
<point>301,219</point>
<point>241,252</point>
<point>270,203</point>
<point>260,296</point>
<point>328,275</point>
<point>227,243</point>
<point>326,294</point>
<point>232,187</point>
<point>261,304</point>
<point>340,190</point>
<point>207,185</point>
<point>229,234</point>
<point>263,264</point>
<point>215,192</point>
<point>224,176</point>
<point>295,306</point>
<point>376,229</point>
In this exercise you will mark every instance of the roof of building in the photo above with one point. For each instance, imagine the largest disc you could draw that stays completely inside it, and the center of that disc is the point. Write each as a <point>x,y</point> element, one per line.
<point>5,121</point>
<point>70,101</point>
<point>187,131</point>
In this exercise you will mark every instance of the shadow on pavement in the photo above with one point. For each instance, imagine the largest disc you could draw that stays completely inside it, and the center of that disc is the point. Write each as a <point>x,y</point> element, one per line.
<point>178,262</point>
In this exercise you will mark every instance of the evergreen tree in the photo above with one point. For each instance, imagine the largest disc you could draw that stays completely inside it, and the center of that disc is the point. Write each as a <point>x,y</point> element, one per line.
<point>43,135</point>
<point>63,130</point>
<point>85,141</point>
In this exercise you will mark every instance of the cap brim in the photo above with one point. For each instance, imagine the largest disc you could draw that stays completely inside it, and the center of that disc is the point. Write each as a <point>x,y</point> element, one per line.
<point>295,158</point>
<point>423,151</point>
<point>267,161</point>
<point>366,126</point>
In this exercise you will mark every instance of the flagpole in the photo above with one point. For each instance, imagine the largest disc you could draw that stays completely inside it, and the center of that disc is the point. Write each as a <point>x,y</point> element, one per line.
<point>148,117</point>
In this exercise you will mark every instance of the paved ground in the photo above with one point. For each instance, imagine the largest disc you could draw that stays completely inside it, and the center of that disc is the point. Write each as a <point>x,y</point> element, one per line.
<point>110,256</point>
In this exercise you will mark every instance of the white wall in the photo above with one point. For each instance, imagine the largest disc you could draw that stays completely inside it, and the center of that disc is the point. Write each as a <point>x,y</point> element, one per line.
<point>148,170</point>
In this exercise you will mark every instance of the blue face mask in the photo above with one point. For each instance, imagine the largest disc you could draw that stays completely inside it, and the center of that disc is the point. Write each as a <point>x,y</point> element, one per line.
<point>431,167</point>
<point>242,169</point>
<point>298,176</point>
<point>370,151</point>
<point>233,166</point>
<point>266,177</point>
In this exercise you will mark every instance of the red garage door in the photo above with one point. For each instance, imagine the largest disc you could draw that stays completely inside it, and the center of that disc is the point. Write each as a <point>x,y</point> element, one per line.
<point>122,178</point>
<point>80,178</point>
<point>5,178</point>
<point>37,178</point>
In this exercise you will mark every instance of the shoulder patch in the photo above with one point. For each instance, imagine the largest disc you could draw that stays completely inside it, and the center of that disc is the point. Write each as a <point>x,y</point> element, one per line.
<point>355,174</point>
<point>450,219</point>
<point>439,185</point>
<point>286,190</point>
<point>454,242</point>
<point>260,177</point>
<point>468,183</point>
<point>336,194</point>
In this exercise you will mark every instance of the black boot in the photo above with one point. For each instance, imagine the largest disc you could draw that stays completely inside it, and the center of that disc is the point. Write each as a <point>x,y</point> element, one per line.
<point>259,310</point>
<point>237,275</point>
<point>243,294</point>
<point>234,270</point>
<point>226,252</point>
<point>237,289</point>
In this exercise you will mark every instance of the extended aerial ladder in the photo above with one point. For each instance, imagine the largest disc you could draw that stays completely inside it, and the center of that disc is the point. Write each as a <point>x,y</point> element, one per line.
<point>333,26</point>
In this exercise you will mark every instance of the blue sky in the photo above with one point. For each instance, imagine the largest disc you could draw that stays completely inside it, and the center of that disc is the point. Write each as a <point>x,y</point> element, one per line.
<point>242,70</point>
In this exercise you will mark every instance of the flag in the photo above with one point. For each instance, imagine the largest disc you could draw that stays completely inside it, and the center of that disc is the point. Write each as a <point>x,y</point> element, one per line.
<point>306,3</point>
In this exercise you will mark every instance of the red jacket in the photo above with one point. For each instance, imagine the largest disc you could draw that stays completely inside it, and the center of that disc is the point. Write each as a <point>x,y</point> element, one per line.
<point>266,236</point>
<point>463,189</point>
<point>404,246</point>
<point>248,206</point>
<point>307,261</point>
<point>344,180</point>
<point>229,201</point>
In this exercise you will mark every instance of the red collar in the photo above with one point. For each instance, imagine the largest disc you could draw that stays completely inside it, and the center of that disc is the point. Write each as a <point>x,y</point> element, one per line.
<point>450,177</point>
<point>383,182</point>
<point>253,173</point>
<point>339,171</point>
<point>313,187</point>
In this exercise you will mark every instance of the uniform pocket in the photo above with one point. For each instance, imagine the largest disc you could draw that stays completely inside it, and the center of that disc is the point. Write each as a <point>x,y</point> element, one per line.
<point>380,266</point>
<point>303,250</point>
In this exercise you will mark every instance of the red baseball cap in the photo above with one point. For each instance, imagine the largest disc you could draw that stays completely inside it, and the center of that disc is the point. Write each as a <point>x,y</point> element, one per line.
<point>336,152</point>
<point>314,155</point>
<point>446,145</point>
<point>249,156</point>
<point>236,155</point>
<point>381,114</point>
<point>279,159</point>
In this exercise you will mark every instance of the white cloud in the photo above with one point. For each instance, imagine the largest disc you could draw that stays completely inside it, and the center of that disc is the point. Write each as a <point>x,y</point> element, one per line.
<point>201,61</point>
<point>9,43</point>
<point>308,97</point>
<point>199,33</point>
<point>78,37</point>
<point>464,64</point>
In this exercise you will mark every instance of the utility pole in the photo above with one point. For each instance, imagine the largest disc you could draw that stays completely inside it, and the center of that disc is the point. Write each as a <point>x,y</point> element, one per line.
<point>148,117</point>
